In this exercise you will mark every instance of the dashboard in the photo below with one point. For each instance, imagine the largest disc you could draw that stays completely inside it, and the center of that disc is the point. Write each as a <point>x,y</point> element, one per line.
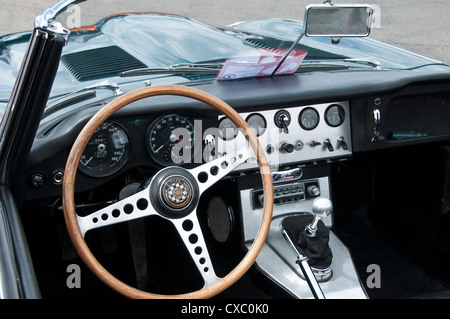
<point>315,132</point>
<point>298,122</point>
<point>293,135</point>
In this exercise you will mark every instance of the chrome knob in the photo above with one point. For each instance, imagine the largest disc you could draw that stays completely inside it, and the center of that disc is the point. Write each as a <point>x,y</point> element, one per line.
<point>321,207</point>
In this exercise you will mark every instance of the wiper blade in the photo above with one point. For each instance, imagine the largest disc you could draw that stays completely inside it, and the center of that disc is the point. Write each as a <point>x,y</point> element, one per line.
<point>336,64</point>
<point>367,61</point>
<point>364,61</point>
<point>320,66</point>
<point>181,68</point>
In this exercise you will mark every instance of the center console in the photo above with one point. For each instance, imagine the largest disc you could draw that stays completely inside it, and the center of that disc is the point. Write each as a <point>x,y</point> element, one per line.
<point>280,261</point>
<point>302,254</point>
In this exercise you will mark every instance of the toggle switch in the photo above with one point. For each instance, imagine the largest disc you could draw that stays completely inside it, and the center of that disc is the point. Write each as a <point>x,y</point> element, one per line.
<point>328,145</point>
<point>342,143</point>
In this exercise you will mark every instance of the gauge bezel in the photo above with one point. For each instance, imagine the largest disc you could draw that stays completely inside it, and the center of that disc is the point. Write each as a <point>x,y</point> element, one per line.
<point>300,118</point>
<point>262,129</point>
<point>100,173</point>
<point>236,130</point>
<point>342,115</point>
<point>158,159</point>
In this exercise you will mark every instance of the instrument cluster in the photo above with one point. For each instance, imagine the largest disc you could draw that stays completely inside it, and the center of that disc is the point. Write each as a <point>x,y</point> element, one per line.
<point>295,135</point>
<point>288,135</point>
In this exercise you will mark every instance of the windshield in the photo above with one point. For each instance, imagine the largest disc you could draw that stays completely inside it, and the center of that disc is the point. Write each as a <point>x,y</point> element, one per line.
<point>115,44</point>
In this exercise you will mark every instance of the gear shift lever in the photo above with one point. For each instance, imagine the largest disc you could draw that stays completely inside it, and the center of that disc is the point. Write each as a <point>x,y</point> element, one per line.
<point>310,237</point>
<point>321,207</point>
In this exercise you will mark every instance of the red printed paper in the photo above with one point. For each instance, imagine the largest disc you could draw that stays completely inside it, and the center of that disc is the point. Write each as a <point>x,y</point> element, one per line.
<point>261,63</point>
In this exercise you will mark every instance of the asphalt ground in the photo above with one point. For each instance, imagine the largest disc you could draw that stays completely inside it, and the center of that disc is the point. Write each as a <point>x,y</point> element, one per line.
<point>419,26</point>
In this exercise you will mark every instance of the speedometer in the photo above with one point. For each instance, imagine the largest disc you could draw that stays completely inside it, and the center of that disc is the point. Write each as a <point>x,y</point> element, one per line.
<point>170,140</point>
<point>106,152</point>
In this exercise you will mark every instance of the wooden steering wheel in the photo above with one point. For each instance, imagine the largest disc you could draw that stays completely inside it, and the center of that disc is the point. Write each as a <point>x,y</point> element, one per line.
<point>154,199</point>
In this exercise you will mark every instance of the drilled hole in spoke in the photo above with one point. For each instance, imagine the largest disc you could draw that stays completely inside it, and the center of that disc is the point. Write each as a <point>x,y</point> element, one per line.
<point>128,209</point>
<point>214,170</point>
<point>193,238</point>
<point>202,177</point>
<point>202,261</point>
<point>95,220</point>
<point>105,217</point>
<point>188,225</point>
<point>142,204</point>
<point>198,250</point>
<point>115,213</point>
<point>224,165</point>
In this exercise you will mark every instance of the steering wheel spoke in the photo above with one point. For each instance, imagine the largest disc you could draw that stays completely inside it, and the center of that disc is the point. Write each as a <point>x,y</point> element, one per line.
<point>132,207</point>
<point>192,236</point>
<point>210,173</point>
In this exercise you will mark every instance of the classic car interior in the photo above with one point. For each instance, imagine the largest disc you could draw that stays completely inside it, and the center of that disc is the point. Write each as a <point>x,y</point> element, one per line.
<point>360,167</point>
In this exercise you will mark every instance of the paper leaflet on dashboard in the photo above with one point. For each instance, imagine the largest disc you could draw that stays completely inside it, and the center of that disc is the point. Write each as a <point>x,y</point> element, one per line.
<point>261,63</point>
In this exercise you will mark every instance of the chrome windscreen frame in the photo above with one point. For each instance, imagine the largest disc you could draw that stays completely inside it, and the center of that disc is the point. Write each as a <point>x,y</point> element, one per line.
<point>17,130</point>
<point>47,19</point>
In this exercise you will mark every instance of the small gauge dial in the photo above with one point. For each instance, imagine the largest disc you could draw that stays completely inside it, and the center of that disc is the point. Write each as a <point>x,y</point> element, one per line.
<point>227,129</point>
<point>258,123</point>
<point>170,140</point>
<point>335,115</point>
<point>106,152</point>
<point>309,118</point>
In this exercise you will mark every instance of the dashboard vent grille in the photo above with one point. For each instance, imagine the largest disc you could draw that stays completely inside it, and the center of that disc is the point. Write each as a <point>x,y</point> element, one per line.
<point>100,63</point>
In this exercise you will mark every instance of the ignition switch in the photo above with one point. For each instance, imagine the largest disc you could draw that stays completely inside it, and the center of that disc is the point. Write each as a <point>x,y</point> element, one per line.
<point>282,120</point>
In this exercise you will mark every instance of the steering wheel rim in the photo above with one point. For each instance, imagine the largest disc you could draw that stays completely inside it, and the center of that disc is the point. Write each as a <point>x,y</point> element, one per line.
<point>69,187</point>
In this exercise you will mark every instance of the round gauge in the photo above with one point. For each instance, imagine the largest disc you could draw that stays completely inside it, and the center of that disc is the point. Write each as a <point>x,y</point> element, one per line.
<point>335,115</point>
<point>170,140</point>
<point>258,123</point>
<point>106,152</point>
<point>227,129</point>
<point>309,118</point>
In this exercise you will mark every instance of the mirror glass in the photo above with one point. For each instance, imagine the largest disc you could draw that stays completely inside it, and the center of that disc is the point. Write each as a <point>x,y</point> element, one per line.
<point>338,20</point>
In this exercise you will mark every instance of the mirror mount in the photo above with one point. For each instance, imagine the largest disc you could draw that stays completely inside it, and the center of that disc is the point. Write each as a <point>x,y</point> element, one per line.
<point>335,41</point>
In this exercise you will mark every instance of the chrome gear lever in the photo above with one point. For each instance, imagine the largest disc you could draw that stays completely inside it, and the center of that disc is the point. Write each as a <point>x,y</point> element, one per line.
<point>321,207</point>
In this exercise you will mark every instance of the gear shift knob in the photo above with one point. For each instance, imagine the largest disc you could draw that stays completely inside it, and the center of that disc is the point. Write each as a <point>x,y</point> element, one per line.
<point>321,207</point>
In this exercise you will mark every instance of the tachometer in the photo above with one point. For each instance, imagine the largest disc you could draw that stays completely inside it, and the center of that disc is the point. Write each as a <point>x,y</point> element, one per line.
<point>106,152</point>
<point>170,139</point>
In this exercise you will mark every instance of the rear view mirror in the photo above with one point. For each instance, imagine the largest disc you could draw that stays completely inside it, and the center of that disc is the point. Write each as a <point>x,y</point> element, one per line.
<point>337,21</point>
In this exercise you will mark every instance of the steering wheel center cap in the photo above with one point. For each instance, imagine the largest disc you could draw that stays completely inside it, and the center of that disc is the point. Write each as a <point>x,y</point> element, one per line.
<point>176,192</point>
